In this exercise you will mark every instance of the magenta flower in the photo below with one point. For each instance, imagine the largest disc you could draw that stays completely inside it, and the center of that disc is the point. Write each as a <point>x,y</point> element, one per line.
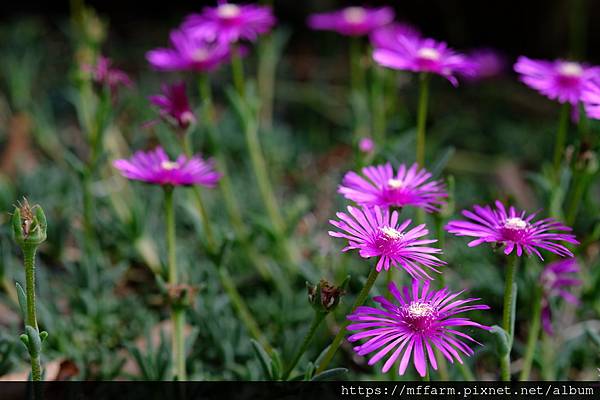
<point>104,73</point>
<point>174,106</point>
<point>387,37</point>
<point>156,168</point>
<point>558,80</point>
<point>513,230</point>
<point>424,55</point>
<point>230,23</point>
<point>380,186</point>
<point>352,21</point>
<point>422,320</point>
<point>591,98</point>
<point>555,279</point>
<point>366,145</point>
<point>486,63</point>
<point>188,54</point>
<point>375,232</point>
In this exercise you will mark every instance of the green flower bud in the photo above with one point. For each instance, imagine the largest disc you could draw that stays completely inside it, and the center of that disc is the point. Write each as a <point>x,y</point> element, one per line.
<point>29,224</point>
<point>325,297</point>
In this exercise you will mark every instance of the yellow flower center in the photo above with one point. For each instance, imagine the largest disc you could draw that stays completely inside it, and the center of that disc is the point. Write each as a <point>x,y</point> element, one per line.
<point>395,183</point>
<point>419,309</point>
<point>169,165</point>
<point>354,14</point>
<point>228,11</point>
<point>391,233</point>
<point>515,223</point>
<point>571,69</point>
<point>200,55</point>
<point>429,53</point>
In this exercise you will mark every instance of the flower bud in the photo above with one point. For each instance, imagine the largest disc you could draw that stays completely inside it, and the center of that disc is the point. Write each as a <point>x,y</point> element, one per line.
<point>325,297</point>
<point>29,224</point>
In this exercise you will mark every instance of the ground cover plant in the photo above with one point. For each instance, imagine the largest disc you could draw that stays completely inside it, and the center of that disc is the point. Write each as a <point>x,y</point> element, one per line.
<point>204,201</point>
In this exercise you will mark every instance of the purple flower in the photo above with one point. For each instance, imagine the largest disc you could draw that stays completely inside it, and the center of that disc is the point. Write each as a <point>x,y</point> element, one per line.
<point>513,229</point>
<point>486,63</point>
<point>366,145</point>
<point>423,55</point>
<point>352,21</point>
<point>381,187</point>
<point>375,232</point>
<point>188,54</point>
<point>386,37</point>
<point>555,278</point>
<point>174,106</point>
<point>229,23</point>
<point>156,168</point>
<point>419,321</point>
<point>558,80</point>
<point>591,98</point>
<point>104,73</point>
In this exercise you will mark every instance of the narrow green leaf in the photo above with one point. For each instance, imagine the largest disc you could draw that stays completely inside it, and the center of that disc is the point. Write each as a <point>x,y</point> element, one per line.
<point>263,357</point>
<point>330,374</point>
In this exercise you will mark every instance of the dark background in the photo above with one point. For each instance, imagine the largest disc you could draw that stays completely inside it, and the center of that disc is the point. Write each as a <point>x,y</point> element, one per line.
<point>538,28</point>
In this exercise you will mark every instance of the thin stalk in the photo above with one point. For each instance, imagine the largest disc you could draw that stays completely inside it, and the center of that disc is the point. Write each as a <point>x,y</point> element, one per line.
<point>242,310</point>
<point>561,137</point>
<point>210,237</point>
<point>466,372</point>
<point>318,318</point>
<point>579,190</point>
<point>31,319</point>
<point>337,340</point>
<point>378,105</point>
<point>441,279</point>
<point>231,204</point>
<point>534,334</point>
<point>237,70</point>
<point>356,75</point>
<point>508,317</point>
<point>177,313</point>
<point>422,117</point>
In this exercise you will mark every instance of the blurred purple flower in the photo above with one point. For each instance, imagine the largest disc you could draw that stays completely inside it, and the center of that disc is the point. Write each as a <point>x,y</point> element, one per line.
<point>381,187</point>
<point>104,73</point>
<point>230,23</point>
<point>375,232</point>
<point>174,106</point>
<point>352,21</point>
<point>155,167</point>
<point>486,63</point>
<point>366,145</point>
<point>424,55</point>
<point>386,37</point>
<point>422,320</point>
<point>514,230</point>
<point>591,98</point>
<point>188,54</point>
<point>555,279</point>
<point>559,80</point>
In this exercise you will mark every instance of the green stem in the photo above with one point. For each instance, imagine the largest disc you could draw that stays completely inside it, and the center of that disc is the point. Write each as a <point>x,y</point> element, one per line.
<point>580,188</point>
<point>422,117</point>
<point>231,204</point>
<point>378,105</point>
<point>31,319</point>
<point>210,237</point>
<point>534,334</point>
<point>355,67</point>
<point>242,310</point>
<point>508,317</point>
<point>337,340</point>
<point>466,372</point>
<point>561,137</point>
<point>318,318</point>
<point>237,69</point>
<point>177,313</point>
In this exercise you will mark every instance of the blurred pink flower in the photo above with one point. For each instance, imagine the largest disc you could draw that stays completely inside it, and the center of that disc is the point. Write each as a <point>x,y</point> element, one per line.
<point>486,63</point>
<point>555,279</point>
<point>366,145</point>
<point>104,73</point>
<point>352,21</point>
<point>174,106</point>
<point>387,36</point>
<point>155,167</point>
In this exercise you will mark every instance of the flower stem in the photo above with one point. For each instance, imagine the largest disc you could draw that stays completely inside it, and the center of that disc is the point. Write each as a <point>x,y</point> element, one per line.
<point>237,70</point>
<point>31,319</point>
<point>561,136</point>
<point>318,318</point>
<point>177,313</point>
<point>337,340</point>
<point>534,334</point>
<point>378,105</point>
<point>422,117</point>
<point>508,317</point>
